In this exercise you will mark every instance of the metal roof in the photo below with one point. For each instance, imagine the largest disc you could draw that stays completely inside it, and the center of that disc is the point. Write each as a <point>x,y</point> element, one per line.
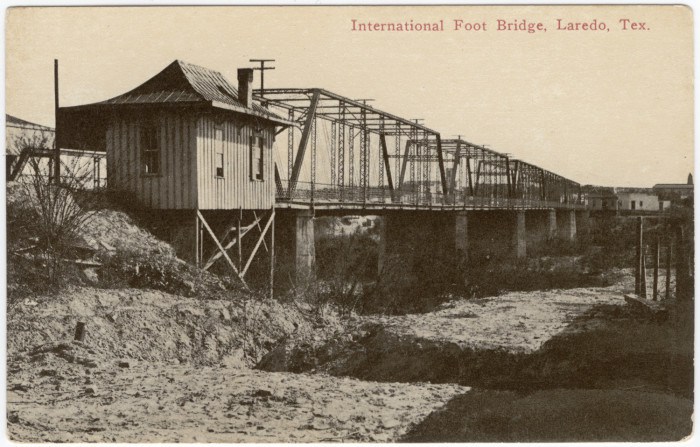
<point>185,83</point>
<point>13,121</point>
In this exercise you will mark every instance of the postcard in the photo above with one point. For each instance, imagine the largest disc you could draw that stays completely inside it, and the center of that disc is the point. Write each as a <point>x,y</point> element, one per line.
<point>315,224</point>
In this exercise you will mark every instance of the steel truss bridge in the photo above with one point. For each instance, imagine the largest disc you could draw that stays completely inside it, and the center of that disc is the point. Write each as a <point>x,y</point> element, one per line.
<point>346,154</point>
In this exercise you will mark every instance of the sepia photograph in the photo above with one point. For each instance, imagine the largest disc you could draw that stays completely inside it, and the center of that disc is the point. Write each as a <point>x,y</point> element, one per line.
<point>342,223</point>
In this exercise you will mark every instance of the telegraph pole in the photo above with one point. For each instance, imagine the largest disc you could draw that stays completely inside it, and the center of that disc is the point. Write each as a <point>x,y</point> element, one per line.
<point>262,69</point>
<point>57,156</point>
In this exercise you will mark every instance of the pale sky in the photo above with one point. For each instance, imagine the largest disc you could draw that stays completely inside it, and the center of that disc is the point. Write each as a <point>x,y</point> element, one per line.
<point>601,107</point>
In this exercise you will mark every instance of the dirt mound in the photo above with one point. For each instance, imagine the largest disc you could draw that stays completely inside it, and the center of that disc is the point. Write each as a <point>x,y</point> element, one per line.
<point>151,325</point>
<point>111,228</point>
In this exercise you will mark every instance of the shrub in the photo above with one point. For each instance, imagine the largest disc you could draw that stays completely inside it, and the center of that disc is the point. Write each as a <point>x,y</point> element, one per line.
<point>158,269</point>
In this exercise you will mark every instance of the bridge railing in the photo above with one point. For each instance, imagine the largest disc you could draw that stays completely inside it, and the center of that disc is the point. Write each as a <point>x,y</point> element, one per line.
<point>319,193</point>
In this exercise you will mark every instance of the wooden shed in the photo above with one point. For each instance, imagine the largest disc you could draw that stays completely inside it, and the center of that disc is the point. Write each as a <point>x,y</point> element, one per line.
<point>194,148</point>
<point>186,139</point>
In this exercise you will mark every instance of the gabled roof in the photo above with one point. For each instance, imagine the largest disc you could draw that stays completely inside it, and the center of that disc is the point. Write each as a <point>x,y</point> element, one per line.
<point>13,121</point>
<point>185,83</point>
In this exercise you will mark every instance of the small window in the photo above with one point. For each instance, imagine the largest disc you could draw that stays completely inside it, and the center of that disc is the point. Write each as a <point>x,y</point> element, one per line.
<point>219,145</point>
<point>150,149</point>
<point>256,158</point>
<point>641,204</point>
<point>632,205</point>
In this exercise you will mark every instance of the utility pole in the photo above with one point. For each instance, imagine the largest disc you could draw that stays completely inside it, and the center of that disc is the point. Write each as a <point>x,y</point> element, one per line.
<point>262,69</point>
<point>57,156</point>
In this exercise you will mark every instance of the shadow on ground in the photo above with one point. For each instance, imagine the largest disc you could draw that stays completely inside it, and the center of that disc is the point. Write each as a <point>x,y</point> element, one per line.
<point>625,377</point>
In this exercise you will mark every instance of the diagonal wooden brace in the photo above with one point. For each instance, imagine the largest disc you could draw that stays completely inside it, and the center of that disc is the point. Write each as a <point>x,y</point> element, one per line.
<point>221,249</point>
<point>257,245</point>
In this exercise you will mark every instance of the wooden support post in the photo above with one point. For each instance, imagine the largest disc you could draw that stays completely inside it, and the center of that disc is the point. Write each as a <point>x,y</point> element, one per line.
<point>79,331</point>
<point>272,255</point>
<point>669,251</point>
<point>683,287</point>
<point>238,237</point>
<point>656,268</point>
<point>643,284</point>
<point>638,259</point>
<point>57,156</point>
<point>197,242</point>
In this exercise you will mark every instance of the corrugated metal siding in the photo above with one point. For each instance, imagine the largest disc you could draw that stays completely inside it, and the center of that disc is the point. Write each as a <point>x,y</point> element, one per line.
<point>175,186</point>
<point>235,189</point>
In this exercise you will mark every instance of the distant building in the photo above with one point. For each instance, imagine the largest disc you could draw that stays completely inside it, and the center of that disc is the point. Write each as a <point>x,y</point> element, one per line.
<point>675,192</point>
<point>601,198</point>
<point>638,199</point>
<point>25,140</point>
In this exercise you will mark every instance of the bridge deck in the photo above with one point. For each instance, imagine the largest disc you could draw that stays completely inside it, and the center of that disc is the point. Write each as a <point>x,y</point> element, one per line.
<point>355,198</point>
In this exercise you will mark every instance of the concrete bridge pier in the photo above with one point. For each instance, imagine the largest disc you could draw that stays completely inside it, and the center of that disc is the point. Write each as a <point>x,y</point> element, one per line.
<point>520,235</point>
<point>551,224</point>
<point>462,236</point>
<point>583,222</point>
<point>295,244</point>
<point>566,220</point>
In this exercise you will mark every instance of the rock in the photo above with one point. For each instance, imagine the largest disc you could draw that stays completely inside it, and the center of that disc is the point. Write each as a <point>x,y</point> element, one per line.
<point>123,364</point>
<point>389,422</point>
<point>262,393</point>
<point>20,387</point>
<point>48,373</point>
<point>91,275</point>
<point>91,390</point>
<point>225,315</point>
<point>319,424</point>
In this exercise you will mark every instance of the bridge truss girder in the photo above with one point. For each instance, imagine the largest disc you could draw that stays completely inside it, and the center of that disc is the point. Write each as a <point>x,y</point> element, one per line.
<point>369,152</point>
<point>359,140</point>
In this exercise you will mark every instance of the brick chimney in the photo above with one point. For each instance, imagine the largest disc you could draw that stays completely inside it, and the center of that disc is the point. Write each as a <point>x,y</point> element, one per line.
<point>245,86</point>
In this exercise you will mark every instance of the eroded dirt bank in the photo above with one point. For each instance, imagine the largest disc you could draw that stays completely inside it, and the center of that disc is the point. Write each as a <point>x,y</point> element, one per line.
<point>464,341</point>
<point>156,367</point>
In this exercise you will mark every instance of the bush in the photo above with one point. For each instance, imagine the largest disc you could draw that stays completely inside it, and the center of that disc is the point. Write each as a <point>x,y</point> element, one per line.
<point>158,269</point>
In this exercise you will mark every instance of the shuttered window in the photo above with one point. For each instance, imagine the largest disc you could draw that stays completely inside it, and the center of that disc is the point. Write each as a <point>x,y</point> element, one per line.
<point>150,149</point>
<point>256,158</point>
